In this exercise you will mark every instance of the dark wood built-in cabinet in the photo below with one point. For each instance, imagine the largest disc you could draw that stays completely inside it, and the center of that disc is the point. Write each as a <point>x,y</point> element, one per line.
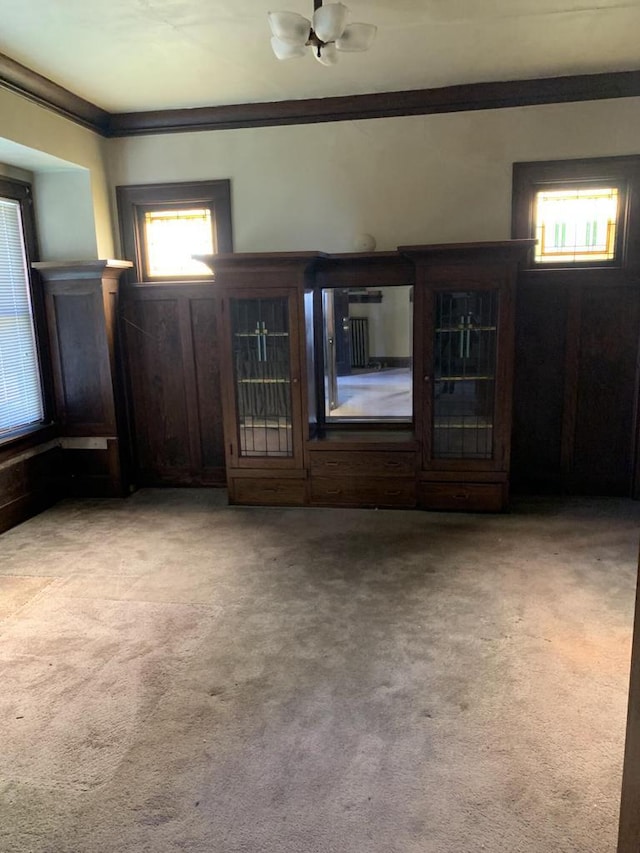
<point>464,372</point>
<point>263,369</point>
<point>447,444</point>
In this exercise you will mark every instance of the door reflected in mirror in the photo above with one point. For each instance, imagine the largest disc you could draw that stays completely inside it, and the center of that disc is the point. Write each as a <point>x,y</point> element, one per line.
<point>368,350</point>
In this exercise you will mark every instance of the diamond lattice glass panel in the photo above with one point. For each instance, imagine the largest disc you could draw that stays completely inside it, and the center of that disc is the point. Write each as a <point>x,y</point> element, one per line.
<point>576,226</point>
<point>261,364</point>
<point>172,237</point>
<point>465,344</point>
<point>20,392</point>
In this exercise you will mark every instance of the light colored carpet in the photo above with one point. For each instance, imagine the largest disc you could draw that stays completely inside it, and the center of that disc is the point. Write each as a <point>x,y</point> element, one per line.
<point>178,675</point>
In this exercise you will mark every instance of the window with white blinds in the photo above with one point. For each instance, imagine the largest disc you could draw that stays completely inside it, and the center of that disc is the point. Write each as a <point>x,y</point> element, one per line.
<point>20,390</point>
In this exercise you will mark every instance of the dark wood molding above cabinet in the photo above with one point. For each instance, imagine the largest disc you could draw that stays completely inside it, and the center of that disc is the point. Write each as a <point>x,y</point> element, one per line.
<point>460,98</point>
<point>448,99</point>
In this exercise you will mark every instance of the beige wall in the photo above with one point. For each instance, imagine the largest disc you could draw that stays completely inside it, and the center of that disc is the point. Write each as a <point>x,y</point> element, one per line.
<point>421,179</point>
<point>81,204</point>
<point>65,213</point>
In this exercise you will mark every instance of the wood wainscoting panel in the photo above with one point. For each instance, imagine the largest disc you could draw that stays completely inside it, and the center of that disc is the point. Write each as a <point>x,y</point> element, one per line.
<point>170,335</point>
<point>206,361</point>
<point>601,454</point>
<point>29,485</point>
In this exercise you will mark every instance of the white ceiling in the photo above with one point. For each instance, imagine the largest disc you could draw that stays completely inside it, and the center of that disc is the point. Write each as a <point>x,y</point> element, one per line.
<point>127,55</point>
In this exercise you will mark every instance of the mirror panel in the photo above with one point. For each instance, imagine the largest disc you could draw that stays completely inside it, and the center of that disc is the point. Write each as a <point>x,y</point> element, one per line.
<point>368,346</point>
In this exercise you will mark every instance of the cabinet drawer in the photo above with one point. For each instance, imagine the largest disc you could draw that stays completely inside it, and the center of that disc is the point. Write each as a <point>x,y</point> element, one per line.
<point>268,491</point>
<point>469,497</point>
<point>370,462</point>
<point>363,491</point>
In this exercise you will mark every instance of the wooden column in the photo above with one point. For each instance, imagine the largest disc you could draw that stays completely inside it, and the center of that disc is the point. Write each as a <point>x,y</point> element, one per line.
<point>81,300</point>
<point>629,837</point>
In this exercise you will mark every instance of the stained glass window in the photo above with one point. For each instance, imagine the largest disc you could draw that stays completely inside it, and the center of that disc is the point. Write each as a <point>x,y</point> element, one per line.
<point>577,225</point>
<point>172,237</point>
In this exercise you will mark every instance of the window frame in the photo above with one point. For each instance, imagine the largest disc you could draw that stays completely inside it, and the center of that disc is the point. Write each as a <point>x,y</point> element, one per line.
<point>22,193</point>
<point>623,173</point>
<point>133,201</point>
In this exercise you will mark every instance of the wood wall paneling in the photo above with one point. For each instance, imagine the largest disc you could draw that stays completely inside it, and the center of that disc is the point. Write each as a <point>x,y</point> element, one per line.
<point>159,402</point>
<point>541,321</point>
<point>204,327</point>
<point>171,352</point>
<point>29,486</point>
<point>85,399</point>
<point>604,439</point>
<point>578,341</point>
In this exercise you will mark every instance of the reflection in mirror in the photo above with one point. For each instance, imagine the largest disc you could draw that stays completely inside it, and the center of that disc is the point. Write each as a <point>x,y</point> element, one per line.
<point>368,353</point>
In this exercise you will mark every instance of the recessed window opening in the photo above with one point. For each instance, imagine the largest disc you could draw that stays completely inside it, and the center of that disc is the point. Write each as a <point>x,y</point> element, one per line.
<point>576,225</point>
<point>21,403</point>
<point>172,237</point>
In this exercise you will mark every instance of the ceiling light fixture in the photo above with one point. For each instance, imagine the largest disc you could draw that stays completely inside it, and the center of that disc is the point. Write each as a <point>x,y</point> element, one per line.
<point>326,35</point>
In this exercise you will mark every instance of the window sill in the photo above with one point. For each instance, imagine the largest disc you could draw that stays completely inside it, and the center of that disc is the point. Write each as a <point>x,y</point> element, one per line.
<point>13,443</point>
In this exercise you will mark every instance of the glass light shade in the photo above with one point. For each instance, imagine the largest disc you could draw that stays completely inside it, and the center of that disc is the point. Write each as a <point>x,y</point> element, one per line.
<point>328,54</point>
<point>329,21</point>
<point>286,50</point>
<point>289,27</point>
<point>357,37</point>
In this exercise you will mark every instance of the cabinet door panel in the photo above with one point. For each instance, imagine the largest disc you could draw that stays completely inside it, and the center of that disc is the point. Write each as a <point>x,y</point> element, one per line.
<point>462,415</point>
<point>265,379</point>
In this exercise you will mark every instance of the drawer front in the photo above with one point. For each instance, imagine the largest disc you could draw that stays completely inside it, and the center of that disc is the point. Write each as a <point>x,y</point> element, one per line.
<point>268,491</point>
<point>368,462</point>
<point>363,491</point>
<point>469,497</point>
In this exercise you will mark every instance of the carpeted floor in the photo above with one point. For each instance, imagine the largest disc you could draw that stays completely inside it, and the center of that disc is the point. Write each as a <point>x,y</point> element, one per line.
<point>179,675</point>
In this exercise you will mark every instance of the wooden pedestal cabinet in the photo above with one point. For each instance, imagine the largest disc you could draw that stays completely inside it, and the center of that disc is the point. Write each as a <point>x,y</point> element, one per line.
<point>464,313</point>
<point>81,300</point>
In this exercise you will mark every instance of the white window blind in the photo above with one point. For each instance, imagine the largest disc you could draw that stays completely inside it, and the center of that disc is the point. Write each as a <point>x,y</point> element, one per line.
<point>20,391</point>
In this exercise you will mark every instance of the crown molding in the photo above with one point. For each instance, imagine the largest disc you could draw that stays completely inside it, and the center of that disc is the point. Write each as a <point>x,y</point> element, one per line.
<point>448,99</point>
<point>33,86</point>
<point>472,96</point>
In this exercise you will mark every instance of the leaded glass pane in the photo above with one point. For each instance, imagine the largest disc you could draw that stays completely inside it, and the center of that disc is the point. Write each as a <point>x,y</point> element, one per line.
<point>261,363</point>
<point>464,374</point>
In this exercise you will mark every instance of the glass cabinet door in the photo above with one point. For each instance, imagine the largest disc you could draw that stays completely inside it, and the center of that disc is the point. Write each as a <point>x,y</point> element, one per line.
<point>463,384</point>
<point>261,353</point>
